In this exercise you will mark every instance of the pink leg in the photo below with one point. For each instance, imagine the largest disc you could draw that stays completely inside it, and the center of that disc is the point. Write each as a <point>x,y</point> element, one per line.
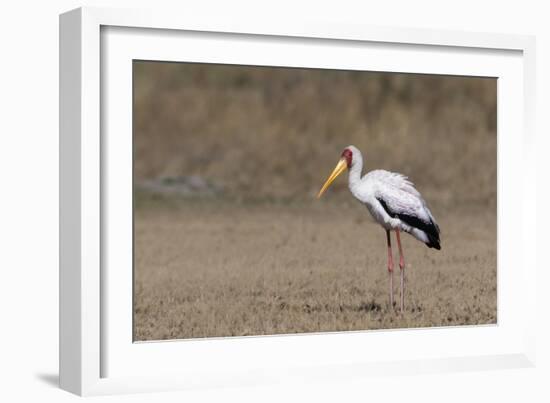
<point>390,267</point>
<point>402,270</point>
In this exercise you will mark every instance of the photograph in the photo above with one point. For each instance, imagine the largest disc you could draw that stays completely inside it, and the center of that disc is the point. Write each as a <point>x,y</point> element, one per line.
<point>274,200</point>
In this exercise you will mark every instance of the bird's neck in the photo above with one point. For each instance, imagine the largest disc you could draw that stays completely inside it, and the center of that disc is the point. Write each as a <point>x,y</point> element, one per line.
<point>355,172</point>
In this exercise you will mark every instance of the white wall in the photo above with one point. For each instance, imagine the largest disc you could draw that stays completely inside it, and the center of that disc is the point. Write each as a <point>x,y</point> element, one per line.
<point>29,186</point>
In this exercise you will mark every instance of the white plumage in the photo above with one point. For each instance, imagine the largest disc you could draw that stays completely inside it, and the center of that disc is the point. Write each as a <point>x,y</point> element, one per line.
<point>393,202</point>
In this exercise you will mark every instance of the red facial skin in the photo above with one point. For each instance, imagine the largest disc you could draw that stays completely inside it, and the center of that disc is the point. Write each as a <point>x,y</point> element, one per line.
<point>348,155</point>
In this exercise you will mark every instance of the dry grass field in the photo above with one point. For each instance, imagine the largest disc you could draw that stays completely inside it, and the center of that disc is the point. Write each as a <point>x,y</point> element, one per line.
<point>259,254</point>
<point>222,269</point>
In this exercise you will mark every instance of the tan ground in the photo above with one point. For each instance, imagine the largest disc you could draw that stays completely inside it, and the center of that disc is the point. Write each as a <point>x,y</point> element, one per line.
<point>209,268</point>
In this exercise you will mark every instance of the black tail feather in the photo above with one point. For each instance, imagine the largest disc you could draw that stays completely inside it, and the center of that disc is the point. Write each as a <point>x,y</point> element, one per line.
<point>433,242</point>
<point>429,228</point>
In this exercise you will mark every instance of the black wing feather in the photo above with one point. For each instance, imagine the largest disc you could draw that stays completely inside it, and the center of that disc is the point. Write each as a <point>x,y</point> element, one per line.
<point>429,228</point>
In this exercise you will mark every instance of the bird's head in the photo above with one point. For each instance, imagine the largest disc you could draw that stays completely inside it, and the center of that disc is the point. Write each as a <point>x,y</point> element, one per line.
<point>346,162</point>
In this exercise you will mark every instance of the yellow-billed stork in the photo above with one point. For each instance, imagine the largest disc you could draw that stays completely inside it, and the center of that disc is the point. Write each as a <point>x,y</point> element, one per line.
<point>393,202</point>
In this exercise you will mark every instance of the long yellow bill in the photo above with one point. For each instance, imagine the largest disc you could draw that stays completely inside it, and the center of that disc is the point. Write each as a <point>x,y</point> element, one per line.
<point>340,167</point>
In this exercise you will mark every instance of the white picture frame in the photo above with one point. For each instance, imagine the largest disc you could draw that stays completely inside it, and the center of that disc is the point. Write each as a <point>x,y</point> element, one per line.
<point>97,353</point>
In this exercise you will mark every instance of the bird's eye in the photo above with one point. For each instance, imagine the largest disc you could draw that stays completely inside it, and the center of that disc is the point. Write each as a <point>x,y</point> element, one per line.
<point>348,155</point>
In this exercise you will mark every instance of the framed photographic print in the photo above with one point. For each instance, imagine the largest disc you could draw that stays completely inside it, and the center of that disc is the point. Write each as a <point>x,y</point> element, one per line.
<point>250,202</point>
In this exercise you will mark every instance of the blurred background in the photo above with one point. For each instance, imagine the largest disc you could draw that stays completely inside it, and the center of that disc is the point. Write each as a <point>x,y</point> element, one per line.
<point>229,237</point>
<point>265,133</point>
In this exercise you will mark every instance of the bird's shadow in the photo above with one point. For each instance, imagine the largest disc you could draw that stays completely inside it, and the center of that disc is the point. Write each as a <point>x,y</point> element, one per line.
<point>49,379</point>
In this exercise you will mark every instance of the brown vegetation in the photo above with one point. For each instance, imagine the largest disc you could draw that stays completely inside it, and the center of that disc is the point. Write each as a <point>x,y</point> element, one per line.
<point>274,132</point>
<point>219,269</point>
<point>263,256</point>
